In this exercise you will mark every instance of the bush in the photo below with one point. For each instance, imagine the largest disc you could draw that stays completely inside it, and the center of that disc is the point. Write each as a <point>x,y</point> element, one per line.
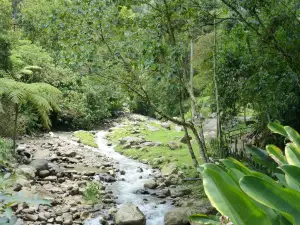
<point>92,192</point>
<point>249,197</point>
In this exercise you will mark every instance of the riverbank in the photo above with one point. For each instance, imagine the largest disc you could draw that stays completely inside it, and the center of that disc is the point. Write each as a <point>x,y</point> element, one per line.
<point>61,168</point>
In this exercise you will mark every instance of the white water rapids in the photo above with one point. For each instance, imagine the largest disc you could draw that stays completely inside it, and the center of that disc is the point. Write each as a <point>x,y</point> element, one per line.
<point>126,190</point>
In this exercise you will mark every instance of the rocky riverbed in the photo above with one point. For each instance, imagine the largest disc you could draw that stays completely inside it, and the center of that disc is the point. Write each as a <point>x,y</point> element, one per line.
<point>57,167</point>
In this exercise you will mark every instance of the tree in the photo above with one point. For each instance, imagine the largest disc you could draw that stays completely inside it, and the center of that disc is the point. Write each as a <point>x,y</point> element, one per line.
<point>43,97</point>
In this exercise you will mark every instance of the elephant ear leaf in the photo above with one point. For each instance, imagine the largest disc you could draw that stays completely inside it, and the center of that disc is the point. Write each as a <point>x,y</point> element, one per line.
<point>276,154</point>
<point>292,154</point>
<point>203,219</point>
<point>284,200</point>
<point>293,135</point>
<point>231,201</point>
<point>261,156</point>
<point>277,128</point>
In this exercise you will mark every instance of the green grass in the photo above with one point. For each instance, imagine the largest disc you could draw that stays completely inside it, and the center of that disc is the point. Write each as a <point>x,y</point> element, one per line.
<point>180,156</point>
<point>92,193</point>
<point>86,138</point>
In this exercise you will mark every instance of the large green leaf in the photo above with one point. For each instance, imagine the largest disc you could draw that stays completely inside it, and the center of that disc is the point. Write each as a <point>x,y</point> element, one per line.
<point>287,201</point>
<point>203,219</point>
<point>261,156</point>
<point>293,135</point>
<point>233,163</point>
<point>293,172</point>
<point>231,201</point>
<point>277,128</point>
<point>276,154</point>
<point>292,154</point>
<point>216,168</point>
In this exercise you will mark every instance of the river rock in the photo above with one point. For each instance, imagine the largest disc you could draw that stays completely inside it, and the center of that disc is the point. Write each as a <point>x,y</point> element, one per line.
<point>39,164</point>
<point>150,184</point>
<point>130,214</point>
<point>28,171</point>
<point>166,125</point>
<point>44,173</point>
<point>30,217</point>
<point>131,141</point>
<point>170,168</point>
<point>177,216</point>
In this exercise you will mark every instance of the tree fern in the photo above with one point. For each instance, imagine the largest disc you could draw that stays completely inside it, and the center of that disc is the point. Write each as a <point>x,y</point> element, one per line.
<point>43,97</point>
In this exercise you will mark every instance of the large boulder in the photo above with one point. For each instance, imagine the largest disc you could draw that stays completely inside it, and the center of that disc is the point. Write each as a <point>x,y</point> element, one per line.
<point>130,214</point>
<point>177,216</point>
<point>39,164</point>
<point>27,170</point>
<point>169,169</point>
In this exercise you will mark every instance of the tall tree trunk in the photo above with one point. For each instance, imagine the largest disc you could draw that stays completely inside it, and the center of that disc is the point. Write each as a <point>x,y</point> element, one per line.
<point>219,134</point>
<point>15,126</point>
<point>193,104</point>
<point>194,108</point>
<point>188,141</point>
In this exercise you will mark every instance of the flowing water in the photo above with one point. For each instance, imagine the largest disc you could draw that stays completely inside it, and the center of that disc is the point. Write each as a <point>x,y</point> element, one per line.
<point>126,190</point>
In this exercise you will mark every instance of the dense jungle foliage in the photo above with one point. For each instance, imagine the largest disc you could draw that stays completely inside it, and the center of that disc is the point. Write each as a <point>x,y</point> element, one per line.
<point>71,64</point>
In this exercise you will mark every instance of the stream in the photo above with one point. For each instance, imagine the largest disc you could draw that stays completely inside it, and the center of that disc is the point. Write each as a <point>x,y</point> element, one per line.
<point>126,190</point>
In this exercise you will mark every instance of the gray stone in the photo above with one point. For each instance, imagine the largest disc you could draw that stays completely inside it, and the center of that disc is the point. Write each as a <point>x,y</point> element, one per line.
<point>166,125</point>
<point>44,173</point>
<point>30,217</point>
<point>151,184</point>
<point>130,214</point>
<point>39,164</point>
<point>168,169</point>
<point>177,216</point>
<point>27,170</point>
<point>131,141</point>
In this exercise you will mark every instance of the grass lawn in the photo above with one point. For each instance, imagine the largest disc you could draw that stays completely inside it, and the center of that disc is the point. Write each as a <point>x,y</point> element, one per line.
<point>86,138</point>
<point>152,154</point>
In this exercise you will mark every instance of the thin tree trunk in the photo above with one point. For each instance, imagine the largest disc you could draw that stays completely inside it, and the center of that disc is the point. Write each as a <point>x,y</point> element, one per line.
<point>15,126</point>
<point>193,106</point>
<point>215,81</point>
<point>188,141</point>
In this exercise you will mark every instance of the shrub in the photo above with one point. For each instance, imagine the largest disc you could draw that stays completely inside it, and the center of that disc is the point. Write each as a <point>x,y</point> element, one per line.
<point>92,192</point>
<point>249,197</point>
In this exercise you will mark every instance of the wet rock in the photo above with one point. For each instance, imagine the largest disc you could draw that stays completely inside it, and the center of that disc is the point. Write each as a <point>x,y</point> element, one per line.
<point>44,173</point>
<point>107,178</point>
<point>140,170</point>
<point>151,184</point>
<point>168,169</point>
<point>122,172</point>
<point>177,216</point>
<point>17,187</point>
<point>163,193</point>
<point>27,170</point>
<point>129,214</point>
